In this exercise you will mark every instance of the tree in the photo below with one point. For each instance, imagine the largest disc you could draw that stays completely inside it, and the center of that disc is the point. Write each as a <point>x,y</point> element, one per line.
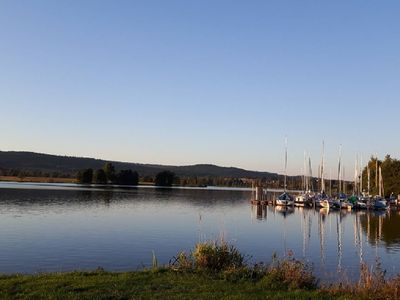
<point>85,176</point>
<point>127,177</point>
<point>165,178</point>
<point>100,177</point>
<point>109,171</point>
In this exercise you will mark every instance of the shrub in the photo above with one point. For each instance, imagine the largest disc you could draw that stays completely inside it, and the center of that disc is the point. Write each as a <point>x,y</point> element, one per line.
<point>289,274</point>
<point>216,257</point>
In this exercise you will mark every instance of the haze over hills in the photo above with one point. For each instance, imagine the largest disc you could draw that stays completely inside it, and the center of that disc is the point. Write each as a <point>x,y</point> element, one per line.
<point>47,163</point>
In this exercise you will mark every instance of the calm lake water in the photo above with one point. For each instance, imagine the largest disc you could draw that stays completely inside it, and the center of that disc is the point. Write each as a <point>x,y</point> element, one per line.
<point>63,227</point>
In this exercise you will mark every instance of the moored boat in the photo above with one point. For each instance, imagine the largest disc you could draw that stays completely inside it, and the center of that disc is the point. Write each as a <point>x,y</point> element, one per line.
<point>284,200</point>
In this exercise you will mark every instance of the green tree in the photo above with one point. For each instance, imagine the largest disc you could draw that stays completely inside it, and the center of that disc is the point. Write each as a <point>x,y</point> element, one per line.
<point>127,177</point>
<point>164,178</point>
<point>110,172</point>
<point>85,176</point>
<point>100,177</point>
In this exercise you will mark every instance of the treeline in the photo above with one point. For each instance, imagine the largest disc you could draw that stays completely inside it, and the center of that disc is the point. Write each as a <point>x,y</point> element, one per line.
<point>108,175</point>
<point>390,174</point>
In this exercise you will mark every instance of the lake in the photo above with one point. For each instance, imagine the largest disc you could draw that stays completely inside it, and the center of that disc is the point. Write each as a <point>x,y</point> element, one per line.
<point>49,227</point>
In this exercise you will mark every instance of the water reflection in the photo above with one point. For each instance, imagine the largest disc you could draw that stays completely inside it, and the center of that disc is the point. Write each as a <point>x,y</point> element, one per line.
<point>61,230</point>
<point>341,236</point>
<point>382,226</point>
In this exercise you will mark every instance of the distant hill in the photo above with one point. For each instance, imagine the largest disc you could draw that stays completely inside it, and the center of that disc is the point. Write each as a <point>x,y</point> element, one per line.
<point>46,163</point>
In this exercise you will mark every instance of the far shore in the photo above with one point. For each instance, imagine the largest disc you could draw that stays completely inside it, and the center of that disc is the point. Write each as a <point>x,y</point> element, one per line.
<point>37,179</point>
<point>56,180</point>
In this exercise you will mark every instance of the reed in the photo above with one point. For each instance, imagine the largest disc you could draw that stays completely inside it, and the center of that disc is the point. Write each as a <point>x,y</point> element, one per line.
<point>372,284</point>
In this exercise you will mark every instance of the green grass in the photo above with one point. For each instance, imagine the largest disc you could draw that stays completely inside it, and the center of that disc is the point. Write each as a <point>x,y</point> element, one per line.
<point>159,284</point>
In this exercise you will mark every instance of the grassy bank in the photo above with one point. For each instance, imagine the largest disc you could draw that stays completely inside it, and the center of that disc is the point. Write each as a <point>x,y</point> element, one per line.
<point>160,284</point>
<point>210,271</point>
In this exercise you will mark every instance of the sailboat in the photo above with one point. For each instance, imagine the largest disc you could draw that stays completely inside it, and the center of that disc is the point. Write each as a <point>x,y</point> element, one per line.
<point>358,199</point>
<point>321,199</point>
<point>304,198</point>
<point>380,202</point>
<point>285,199</point>
<point>341,200</point>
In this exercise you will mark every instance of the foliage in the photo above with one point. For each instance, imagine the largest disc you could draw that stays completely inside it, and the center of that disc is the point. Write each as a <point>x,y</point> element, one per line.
<point>100,177</point>
<point>210,257</point>
<point>216,257</point>
<point>289,273</point>
<point>127,177</point>
<point>85,176</point>
<point>109,170</point>
<point>390,173</point>
<point>164,178</point>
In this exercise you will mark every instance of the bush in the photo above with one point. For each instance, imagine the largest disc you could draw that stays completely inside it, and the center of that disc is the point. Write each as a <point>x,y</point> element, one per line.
<point>217,257</point>
<point>288,274</point>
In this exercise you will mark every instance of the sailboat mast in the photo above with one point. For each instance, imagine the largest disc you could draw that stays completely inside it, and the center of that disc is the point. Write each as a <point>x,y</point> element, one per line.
<point>322,168</point>
<point>369,178</point>
<point>305,173</point>
<point>355,176</point>
<point>285,163</point>
<point>344,180</point>
<point>380,182</point>
<point>376,172</point>
<point>339,169</point>
<point>361,175</point>
<point>310,173</point>
<point>381,188</point>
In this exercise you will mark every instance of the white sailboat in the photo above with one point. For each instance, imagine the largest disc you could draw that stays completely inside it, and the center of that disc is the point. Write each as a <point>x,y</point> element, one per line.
<point>321,199</point>
<point>304,198</point>
<point>380,202</point>
<point>341,200</point>
<point>285,199</point>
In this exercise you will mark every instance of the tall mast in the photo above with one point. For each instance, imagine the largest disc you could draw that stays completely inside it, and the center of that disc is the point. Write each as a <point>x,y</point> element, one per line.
<point>355,176</point>
<point>339,169</point>
<point>310,172</point>
<point>369,178</point>
<point>304,172</point>
<point>361,175</point>
<point>322,168</point>
<point>344,180</point>
<point>376,172</point>
<point>381,188</point>
<point>380,182</point>
<point>285,163</point>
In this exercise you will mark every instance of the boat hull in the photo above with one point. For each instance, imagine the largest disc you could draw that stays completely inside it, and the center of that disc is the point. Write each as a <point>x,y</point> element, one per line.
<point>284,202</point>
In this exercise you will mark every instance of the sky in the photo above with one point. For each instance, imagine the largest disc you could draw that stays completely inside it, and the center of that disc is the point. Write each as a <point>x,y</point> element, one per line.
<point>211,81</point>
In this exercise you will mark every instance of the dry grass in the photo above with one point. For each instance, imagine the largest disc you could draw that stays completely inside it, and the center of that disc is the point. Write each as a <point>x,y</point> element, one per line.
<point>289,274</point>
<point>372,284</point>
<point>37,179</point>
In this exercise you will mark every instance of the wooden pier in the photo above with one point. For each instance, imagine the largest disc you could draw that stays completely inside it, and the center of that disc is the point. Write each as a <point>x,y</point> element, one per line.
<point>264,196</point>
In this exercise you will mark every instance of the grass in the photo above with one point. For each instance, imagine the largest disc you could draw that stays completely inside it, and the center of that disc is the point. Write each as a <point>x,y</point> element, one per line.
<point>159,284</point>
<point>211,271</point>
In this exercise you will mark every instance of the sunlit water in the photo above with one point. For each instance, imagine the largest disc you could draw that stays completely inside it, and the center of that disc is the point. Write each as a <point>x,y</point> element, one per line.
<point>62,228</point>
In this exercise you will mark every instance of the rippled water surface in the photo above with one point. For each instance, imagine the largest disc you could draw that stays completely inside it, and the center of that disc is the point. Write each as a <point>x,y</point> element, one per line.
<point>63,227</point>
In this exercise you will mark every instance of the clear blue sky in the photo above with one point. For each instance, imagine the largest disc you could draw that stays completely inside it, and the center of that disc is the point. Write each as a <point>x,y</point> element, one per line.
<point>184,82</point>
